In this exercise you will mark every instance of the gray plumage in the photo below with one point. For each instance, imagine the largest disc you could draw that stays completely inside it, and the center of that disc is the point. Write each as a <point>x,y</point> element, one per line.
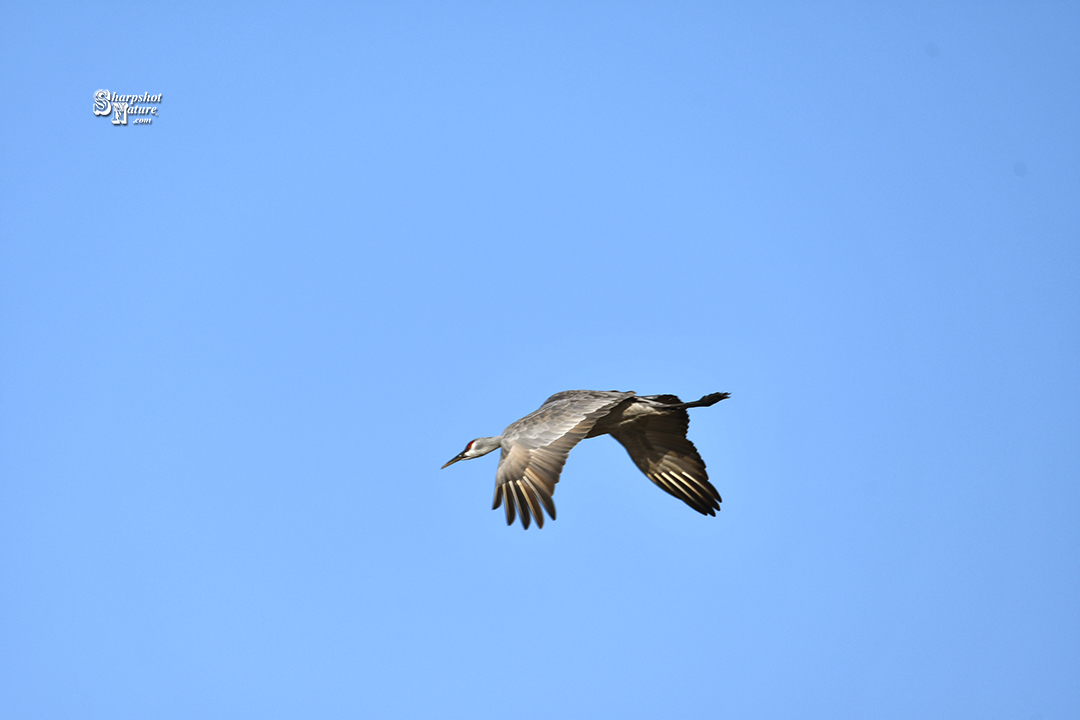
<point>652,428</point>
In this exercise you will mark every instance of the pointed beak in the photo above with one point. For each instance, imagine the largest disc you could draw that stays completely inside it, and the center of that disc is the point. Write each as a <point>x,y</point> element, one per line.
<point>461,456</point>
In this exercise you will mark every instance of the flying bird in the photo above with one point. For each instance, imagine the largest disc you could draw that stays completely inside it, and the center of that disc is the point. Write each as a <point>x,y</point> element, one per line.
<point>652,428</point>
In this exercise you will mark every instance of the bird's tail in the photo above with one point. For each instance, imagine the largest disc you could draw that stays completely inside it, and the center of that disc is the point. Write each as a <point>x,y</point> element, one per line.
<point>706,401</point>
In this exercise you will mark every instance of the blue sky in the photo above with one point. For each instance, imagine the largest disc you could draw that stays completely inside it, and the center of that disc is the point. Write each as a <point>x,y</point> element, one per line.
<point>239,342</point>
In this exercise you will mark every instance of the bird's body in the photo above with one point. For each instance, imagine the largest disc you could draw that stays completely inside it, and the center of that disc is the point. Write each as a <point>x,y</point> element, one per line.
<point>652,428</point>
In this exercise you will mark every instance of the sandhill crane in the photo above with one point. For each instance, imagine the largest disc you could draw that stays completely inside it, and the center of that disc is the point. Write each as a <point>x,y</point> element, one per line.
<point>652,428</point>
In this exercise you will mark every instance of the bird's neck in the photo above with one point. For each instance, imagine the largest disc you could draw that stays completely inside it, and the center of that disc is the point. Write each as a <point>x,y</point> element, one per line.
<point>484,445</point>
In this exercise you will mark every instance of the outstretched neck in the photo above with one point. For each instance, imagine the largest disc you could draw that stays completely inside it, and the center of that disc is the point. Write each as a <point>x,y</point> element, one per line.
<point>484,445</point>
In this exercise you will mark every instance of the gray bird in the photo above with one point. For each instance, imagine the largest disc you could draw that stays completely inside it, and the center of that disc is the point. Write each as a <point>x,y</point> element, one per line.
<point>652,428</point>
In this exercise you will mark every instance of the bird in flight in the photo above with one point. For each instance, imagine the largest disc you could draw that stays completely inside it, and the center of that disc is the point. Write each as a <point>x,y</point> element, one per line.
<point>652,428</point>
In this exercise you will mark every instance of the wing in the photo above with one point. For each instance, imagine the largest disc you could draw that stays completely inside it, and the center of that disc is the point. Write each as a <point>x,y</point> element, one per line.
<point>534,450</point>
<point>658,446</point>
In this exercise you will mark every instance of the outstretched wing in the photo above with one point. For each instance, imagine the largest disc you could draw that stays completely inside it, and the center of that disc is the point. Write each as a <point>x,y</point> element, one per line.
<point>658,446</point>
<point>534,450</point>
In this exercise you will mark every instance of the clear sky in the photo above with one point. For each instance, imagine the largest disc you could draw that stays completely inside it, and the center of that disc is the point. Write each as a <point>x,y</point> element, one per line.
<point>236,345</point>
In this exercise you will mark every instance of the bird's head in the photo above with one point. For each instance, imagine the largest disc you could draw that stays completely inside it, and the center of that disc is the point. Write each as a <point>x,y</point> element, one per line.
<point>476,448</point>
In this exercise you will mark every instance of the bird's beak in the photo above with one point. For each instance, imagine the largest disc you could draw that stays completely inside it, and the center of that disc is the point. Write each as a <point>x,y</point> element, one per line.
<point>461,456</point>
